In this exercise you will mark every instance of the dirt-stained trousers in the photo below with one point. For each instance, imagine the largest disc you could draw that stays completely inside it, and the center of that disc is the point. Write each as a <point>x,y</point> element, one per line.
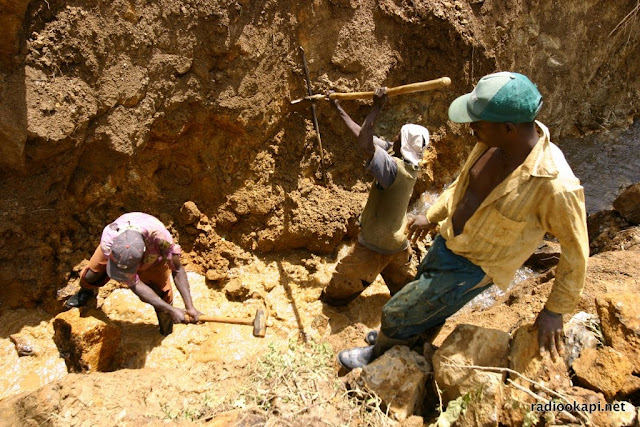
<point>444,283</point>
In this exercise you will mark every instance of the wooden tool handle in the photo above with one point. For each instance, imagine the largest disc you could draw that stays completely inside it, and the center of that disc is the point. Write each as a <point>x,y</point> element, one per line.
<point>234,320</point>
<point>398,90</point>
<point>392,91</point>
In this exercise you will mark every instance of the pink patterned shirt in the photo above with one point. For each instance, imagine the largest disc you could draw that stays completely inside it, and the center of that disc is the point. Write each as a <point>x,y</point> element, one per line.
<point>160,247</point>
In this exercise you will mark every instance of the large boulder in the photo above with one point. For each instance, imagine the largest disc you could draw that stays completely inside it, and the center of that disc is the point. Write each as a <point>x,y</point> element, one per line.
<point>87,340</point>
<point>526,359</point>
<point>398,377</point>
<point>628,203</point>
<point>456,374</point>
<point>603,369</point>
<point>620,318</point>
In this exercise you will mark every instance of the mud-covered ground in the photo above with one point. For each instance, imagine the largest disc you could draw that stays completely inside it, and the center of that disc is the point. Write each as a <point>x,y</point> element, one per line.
<point>199,366</point>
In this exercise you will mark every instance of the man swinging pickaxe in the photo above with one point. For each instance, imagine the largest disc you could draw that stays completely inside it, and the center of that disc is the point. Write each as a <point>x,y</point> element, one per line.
<point>393,91</point>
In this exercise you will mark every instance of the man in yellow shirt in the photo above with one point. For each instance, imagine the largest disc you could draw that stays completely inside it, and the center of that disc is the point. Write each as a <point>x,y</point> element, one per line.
<point>515,186</point>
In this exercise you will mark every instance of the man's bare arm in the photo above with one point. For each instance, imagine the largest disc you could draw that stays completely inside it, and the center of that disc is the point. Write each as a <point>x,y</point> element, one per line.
<point>146,294</point>
<point>365,139</point>
<point>355,127</point>
<point>182,283</point>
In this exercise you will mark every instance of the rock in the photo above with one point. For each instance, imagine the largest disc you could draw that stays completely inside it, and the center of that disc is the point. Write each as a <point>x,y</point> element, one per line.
<point>545,256</point>
<point>428,350</point>
<point>192,229</point>
<point>579,334</point>
<point>473,345</point>
<point>189,213</point>
<point>88,341</point>
<point>398,377</point>
<point>413,421</point>
<point>602,221</point>
<point>628,203</point>
<point>482,408</point>
<point>215,276</point>
<point>630,389</point>
<point>516,406</point>
<point>236,290</point>
<point>626,416</point>
<point>620,317</point>
<point>24,344</point>
<point>609,231</point>
<point>604,369</point>
<point>592,405</point>
<point>524,357</point>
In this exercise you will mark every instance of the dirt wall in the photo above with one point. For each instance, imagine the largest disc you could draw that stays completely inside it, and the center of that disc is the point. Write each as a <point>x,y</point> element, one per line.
<point>141,105</point>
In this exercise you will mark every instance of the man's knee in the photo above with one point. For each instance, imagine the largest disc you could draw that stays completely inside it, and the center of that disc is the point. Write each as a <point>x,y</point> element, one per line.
<point>94,278</point>
<point>90,279</point>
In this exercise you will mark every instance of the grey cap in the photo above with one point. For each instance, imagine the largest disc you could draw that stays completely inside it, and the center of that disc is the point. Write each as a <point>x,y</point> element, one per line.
<point>125,257</point>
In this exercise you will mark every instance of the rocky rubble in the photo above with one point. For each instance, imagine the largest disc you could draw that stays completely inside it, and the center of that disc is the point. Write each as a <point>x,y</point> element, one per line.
<point>617,229</point>
<point>489,376</point>
<point>499,377</point>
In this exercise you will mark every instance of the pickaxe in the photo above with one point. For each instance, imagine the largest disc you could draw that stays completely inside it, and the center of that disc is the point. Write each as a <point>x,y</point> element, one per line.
<point>313,113</point>
<point>259,322</point>
<point>392,91</point>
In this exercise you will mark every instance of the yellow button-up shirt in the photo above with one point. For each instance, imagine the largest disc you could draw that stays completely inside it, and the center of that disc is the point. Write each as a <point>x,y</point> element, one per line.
<point>541,195</point>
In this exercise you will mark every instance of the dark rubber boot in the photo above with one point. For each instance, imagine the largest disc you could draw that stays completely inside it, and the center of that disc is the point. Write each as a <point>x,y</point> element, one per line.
<point>341,302</point>
<point>165,322</point>
<point>80,299</point>
<point>337,302</point>
<point>355,357</point>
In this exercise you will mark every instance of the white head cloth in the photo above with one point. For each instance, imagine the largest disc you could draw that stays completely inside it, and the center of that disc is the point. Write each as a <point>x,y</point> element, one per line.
<point>413,140</point>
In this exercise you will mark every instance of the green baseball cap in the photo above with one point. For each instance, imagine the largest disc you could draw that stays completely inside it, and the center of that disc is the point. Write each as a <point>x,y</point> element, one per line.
<point>499,97</point>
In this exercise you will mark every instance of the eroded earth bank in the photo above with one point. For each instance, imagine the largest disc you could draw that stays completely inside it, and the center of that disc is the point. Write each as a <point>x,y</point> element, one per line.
<point>182,109</point>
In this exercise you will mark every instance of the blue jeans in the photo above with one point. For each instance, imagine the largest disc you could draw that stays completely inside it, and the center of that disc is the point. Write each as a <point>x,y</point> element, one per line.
<point>443,285</point>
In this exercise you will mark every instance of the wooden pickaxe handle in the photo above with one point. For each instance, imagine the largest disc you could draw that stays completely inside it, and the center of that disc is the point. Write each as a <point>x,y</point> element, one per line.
<point>392,91</point>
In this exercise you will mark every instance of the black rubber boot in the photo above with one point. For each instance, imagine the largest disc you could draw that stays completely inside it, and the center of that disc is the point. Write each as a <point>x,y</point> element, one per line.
<point>165,322</point>
<point>359,357</point>
<point>80,299</point>
<point>337,302</point>
<point>355,357</point>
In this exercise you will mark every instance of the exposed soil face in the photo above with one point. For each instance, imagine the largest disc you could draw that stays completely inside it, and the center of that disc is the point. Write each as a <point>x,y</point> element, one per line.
<point>145,105</point>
